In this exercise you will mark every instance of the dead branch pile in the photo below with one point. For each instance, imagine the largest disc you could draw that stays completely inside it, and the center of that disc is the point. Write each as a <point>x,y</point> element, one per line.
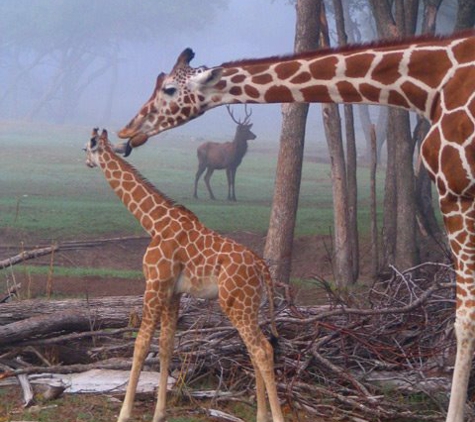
<point>336,361</point>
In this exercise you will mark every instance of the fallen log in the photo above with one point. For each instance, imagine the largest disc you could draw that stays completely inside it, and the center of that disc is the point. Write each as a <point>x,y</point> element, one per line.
<point>26,255</point>
<point>28,321</point>
<point>112,310</point>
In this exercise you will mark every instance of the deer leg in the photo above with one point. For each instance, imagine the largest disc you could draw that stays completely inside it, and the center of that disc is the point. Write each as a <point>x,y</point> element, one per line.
<point>168,321</point>
<point>208,175</point>
<point>233,184</point>
<point>199,172</point>
<point>229,177</point>
<point>141,348</point>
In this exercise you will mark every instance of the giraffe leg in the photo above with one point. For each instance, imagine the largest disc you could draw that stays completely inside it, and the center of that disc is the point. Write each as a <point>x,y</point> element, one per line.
<point>458,219</point>
<point>464,331</point>
<point>245,320</point>
<point>260,393</point>
<point>141,348</point>
<point>168,321</point>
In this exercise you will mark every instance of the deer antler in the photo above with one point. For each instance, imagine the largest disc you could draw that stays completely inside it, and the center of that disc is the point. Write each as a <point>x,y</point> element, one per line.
<point>239,122</point>
<point>230,112</point>
<point>248,115</point>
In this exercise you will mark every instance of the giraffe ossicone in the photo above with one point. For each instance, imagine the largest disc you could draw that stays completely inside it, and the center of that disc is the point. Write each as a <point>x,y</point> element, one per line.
<point>433,76</point>
<point>184,256</point>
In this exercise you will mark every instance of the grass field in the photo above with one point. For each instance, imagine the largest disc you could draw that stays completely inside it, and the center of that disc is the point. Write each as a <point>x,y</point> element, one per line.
<point>47,189</point>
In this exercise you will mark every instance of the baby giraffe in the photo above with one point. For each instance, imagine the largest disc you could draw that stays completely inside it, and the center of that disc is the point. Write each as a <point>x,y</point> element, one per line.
<point>184,256</point>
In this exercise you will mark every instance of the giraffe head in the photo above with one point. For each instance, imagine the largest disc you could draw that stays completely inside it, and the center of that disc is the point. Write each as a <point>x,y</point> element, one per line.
<point>177,98</point>
<point>96,144</point>
<point>92,147</point>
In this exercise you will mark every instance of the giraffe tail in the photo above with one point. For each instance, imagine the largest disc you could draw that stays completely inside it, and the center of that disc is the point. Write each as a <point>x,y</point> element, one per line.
<point>270,297</point>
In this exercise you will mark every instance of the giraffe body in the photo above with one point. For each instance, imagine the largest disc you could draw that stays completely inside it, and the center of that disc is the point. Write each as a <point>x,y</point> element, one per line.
<point>433,76</point>
<point>184,256</point>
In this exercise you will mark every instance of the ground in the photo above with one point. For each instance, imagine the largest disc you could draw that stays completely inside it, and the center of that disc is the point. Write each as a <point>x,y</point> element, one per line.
<point>125,254</point>
<point>310,258</point>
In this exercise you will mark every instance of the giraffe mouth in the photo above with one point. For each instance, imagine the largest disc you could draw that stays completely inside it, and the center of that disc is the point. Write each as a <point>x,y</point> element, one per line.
<point>133,142</point>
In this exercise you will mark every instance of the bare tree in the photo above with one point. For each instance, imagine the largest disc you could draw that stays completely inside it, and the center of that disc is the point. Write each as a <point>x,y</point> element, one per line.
<point>279,242</point>
<point>225,156</point>
<point>465,14</point>
<point>425,211</point>
<point>399,225</point>
<point>342,252</point>
<point>351,156</point>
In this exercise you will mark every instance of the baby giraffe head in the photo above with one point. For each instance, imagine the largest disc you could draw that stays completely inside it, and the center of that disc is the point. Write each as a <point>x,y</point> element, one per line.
<point>93,147</point>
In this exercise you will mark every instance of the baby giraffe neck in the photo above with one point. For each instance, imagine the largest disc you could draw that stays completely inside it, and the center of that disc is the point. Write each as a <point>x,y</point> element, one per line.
<point>143,201</point>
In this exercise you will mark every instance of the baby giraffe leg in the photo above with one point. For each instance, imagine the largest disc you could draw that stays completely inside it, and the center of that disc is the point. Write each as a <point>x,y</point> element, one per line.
<point>142,346</point>
<point>246,322</point>
<point>260,394</point>
<point>168,323</point>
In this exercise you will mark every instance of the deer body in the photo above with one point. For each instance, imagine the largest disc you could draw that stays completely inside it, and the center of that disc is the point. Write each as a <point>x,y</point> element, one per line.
<point>228,155</point>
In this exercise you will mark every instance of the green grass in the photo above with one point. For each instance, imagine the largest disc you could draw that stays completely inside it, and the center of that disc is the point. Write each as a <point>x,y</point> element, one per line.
<point>47,189</point>
<point>81,272</point>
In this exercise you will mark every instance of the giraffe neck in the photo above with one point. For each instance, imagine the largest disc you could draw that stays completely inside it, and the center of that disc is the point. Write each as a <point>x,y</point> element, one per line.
<point>407,76</point>
<point>154,210</point>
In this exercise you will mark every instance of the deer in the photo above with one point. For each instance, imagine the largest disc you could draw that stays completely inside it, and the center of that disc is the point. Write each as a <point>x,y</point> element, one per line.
<point>228,155</point>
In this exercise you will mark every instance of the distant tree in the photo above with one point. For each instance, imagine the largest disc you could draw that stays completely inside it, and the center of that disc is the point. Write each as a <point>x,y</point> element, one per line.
<point>351,154</point>
<point>399,224</point>
<point>343,267</point>
<point>74,42</point>
<point>279,242</point>
<point>465,14</point>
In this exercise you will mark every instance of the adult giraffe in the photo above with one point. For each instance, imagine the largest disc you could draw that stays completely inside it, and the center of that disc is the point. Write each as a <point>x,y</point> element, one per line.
<point>434,76</point>
<point>184,256</point>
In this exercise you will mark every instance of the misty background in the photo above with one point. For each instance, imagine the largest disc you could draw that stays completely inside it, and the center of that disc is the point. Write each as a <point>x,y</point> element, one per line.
<point>94,63</point>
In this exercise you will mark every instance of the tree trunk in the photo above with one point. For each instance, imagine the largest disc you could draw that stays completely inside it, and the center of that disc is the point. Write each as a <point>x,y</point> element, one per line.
<point>351,157</point>
<point>465,15</point>
<point>343,268</point>
<point>425,210</point>
<point>407,252</point>
<point>399,231</point>
<point>279,242</point>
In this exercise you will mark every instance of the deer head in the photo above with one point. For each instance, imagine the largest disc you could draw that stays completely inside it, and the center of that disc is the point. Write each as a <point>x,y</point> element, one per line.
<point>243,130</point>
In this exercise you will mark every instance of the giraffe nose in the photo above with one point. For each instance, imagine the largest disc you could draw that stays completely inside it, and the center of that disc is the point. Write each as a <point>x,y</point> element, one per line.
<point>126,132</point>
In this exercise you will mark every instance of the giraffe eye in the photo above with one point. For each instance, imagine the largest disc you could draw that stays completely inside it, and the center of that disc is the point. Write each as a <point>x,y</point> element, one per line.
<point>169,90</point>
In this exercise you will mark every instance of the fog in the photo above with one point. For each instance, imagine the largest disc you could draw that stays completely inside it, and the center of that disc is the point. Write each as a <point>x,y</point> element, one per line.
<point>246,28</point>
<point>235,29</point>
<point>81,62</point>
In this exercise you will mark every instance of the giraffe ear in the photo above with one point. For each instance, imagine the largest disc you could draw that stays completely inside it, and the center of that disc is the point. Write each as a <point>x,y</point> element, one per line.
<point>208,77</point>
